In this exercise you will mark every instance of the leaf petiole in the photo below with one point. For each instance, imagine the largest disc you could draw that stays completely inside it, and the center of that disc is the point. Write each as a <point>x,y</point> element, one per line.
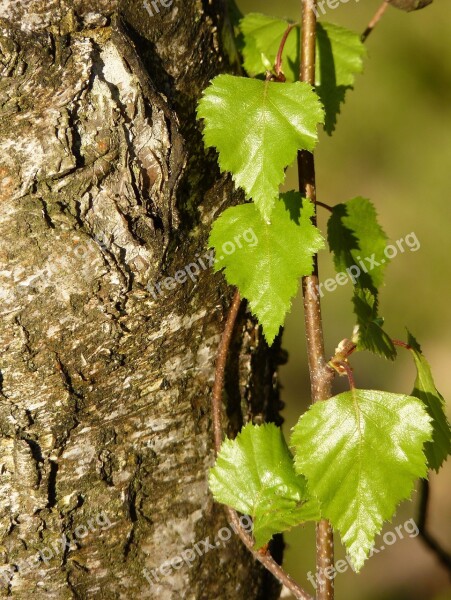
<point>278,63</point>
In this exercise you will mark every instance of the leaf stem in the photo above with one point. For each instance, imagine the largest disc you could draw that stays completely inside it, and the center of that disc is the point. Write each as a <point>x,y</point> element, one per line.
<point>375,20</point>
<point>348,370</point>
<point>278,63</point>
<point>320,373</point>
<point>402,344</point>
<point>324,205</point>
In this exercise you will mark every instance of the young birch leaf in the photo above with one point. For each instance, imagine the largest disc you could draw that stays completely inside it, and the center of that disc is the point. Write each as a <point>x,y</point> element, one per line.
<point>267,270</point>
<point>357,240</point>
<point>358,244</point>
<point>369,334</point>
<point>361,453</point>
<point>262,36</point>
<point>258,128</point>
<point>340,57</point>
<point>438,449</point>
<point>254,474</point>
<point>342,47</point>
<point>340,54</point>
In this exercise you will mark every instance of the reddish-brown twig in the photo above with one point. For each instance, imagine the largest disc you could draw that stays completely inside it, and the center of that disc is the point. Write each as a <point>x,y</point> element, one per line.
<point>264,558</point>
<point>320,373</point>
<point>221,361</point>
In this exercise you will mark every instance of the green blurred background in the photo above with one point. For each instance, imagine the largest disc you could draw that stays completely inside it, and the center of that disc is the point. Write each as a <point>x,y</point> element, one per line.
<point>392,144</point>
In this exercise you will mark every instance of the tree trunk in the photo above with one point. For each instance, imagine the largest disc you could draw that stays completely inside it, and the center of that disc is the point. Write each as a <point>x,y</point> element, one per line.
<point>107,364</point>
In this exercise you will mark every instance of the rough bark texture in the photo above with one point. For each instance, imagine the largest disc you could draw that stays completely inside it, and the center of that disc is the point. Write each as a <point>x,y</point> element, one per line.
<point>105,431</point>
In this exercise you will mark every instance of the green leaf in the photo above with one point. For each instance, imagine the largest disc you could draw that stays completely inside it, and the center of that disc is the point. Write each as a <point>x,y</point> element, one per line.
<point>358,242</point>
<point>262,36</point>
<point>255,475</point>
<point>267,270</point>
<point>340,54</point>
<point>440,447</point>
<point>258,128</point>
<point>369,334</point>
<point>361,453</point>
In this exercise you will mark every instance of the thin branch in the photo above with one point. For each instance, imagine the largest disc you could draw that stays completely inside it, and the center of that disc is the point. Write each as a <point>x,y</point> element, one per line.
<point>320,373</point>
<point>221,361</point>
<point>427,538</point>
<point>266,559</point>
<point>375,20</point>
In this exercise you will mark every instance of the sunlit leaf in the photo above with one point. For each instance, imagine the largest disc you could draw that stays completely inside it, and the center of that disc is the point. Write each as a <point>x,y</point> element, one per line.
<point>267,269</point>
<point>254,474</point>
<point>258,127</point>
<point>361,453</point>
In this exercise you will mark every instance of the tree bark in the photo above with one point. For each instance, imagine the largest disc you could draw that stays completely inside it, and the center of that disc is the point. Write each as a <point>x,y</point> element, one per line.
<point>105,383</point>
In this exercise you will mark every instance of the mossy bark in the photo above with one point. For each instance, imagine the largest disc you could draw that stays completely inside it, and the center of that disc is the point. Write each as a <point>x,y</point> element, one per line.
<point>105,190</point>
